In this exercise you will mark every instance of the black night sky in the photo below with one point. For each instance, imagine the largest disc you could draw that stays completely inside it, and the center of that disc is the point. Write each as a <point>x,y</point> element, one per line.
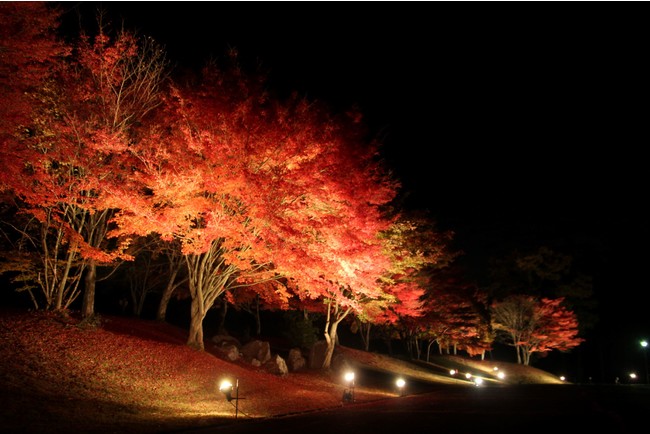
<point>514,128</point>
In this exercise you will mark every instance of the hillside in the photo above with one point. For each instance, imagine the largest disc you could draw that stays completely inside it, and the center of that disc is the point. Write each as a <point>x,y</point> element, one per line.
<point>130,375</point>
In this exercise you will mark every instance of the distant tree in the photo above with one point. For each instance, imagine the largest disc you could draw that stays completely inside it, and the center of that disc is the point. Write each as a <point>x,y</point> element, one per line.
<point>253,299</point>
<point>299,329</point>
<point>535,326</point>
<point>175,271</point>
<point>545,272</point>
<point>453,319</point>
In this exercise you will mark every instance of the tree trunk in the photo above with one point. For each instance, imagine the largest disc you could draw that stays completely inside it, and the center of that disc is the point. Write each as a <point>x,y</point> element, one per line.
<point>366,332</point>
<point>330,337</point>
<point>195,338</point>
<point>88,305</point>
<point>223,311</point>
<point>429,349</point>
<point>166,297</point>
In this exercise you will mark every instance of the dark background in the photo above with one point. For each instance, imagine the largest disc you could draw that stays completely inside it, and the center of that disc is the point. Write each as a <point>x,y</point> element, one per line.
<point>515,126</point>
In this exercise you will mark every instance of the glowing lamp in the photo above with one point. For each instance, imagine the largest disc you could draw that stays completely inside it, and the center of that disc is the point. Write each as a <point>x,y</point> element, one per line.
<point>348,394</point>
<point>400,383</point>
<point>226,388</point>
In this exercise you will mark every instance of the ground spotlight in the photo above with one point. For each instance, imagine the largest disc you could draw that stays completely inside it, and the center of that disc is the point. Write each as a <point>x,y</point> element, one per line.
<point>348,394</point>
<point>227,388</point>
<point>400,385</point>
<point>501,375</point>
<point>452,372</point>
<point>478,381</point>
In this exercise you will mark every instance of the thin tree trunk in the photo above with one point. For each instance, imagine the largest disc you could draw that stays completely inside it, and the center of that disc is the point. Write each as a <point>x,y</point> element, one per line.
<point>223,311</point>
<point>161,314</point>
<point>88,305</point>
<point>258,320</point>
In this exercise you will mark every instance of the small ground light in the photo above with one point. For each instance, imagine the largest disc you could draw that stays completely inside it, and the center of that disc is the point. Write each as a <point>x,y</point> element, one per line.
<point>562,377</point>
<point>501,375</point>
<point>348,394</point>
<point>468,375</point>
<point>478,381</point>
<point>452,372</point>
<point>400,385</point>
<point>496,368</point>
<point>633,376</point>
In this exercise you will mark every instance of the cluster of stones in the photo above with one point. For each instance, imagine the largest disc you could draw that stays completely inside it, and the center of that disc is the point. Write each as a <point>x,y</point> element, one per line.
<point>258,353</point>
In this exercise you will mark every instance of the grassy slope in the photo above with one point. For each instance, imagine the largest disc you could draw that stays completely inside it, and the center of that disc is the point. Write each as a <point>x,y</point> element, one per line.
<point>131,375</point>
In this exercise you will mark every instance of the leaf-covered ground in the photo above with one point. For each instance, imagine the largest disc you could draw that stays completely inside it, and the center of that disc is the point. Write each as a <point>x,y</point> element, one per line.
<point>127,375</point>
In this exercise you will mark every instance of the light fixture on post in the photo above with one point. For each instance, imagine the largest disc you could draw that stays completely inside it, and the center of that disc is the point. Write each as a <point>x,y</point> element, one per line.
<point>226,387</point>
<point>348,394</point>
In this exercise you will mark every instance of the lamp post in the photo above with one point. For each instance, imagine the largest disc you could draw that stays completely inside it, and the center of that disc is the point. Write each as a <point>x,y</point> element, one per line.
<point>644,345</point>
<point>226,388</point>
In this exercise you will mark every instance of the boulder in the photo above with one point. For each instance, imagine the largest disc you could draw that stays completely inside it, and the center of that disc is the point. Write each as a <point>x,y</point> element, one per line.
<point>295,360</point>
<point>277,366</point>
<point>317,355</point>
<point>259,350</point>
<point>228,351</point>
<point>221,340</point>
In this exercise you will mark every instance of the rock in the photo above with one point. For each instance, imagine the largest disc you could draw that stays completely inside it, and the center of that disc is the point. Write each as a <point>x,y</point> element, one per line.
<point>295,360</point>
<point>317,355</point>
<point>277,366</point>
<point>257,350</point>
<point>229,351</point>
<point>221,340</point>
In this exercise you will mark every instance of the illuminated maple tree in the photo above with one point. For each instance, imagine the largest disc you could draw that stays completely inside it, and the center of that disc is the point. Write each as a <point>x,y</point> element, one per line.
<point>70,167</point>
<point>535,326</point>
<point>256,190</point>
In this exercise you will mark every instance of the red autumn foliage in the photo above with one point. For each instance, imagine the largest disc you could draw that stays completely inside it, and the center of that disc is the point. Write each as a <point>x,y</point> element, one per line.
<point>29,53</point>
<point>535,326</point>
